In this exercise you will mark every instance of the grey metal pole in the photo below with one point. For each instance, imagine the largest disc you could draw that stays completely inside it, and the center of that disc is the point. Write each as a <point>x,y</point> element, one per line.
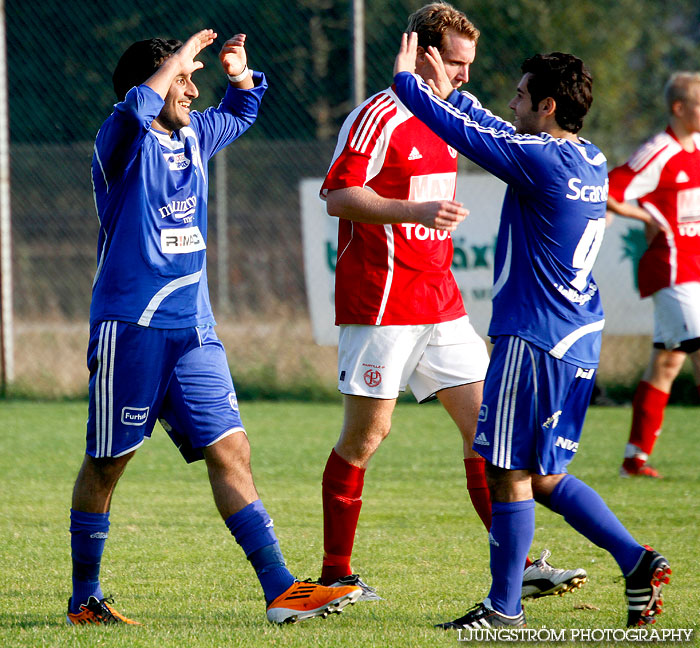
<point>359,81</point>
<point>6,295</point>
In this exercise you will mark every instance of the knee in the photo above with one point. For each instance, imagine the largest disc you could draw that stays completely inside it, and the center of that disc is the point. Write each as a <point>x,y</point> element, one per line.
<point>543,486</point>
<point>508,485</point>
<point>231,454</point>
<point>667,365</point>
<point>105,470</point>
<point>358,445</point>
<point>496,481</point>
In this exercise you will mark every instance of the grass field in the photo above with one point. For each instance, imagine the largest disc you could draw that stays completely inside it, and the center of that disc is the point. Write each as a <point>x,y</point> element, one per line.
<point>171,563</point>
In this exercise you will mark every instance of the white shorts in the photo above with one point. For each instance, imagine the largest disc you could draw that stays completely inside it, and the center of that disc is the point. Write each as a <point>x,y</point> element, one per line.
<point>379,361</point>
<point>677,314</point>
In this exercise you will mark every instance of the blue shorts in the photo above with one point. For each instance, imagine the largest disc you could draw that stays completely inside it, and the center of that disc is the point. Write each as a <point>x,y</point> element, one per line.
<point>533,409</point>
<point>139,375</point>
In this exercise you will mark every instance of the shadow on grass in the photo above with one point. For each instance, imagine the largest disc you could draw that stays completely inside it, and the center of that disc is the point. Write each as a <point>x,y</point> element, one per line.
<point>32,621</point>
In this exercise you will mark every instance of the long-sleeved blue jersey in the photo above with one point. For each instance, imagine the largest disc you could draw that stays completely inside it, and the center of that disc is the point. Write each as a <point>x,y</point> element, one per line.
<point>151,198</point>
<point>552,222</point>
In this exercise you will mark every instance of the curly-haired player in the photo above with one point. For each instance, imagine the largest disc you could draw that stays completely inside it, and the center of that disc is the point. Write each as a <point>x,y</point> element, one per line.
<point>546,321</point>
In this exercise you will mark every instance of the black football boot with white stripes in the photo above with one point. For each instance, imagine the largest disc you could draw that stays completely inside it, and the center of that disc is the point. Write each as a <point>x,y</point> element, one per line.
<point>482,617</point>
<point>643,588</point>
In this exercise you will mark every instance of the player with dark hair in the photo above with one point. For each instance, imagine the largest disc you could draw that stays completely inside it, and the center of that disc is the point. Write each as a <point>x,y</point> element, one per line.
<point>547,317</point>
<point>552,76</point>
<point>140,61</point>
<point>402,320</point>
<point>153,353</point>
<point>663,176</point>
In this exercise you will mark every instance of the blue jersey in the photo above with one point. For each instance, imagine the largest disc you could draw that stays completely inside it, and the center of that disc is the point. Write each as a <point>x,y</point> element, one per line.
<point>151,198</point>
<point>552,222</point>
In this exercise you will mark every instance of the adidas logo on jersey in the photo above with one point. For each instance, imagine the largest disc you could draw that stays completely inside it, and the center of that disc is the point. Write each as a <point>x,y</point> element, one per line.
<point>681,177</point>
<point>415,154</point>
<point>481,439</point>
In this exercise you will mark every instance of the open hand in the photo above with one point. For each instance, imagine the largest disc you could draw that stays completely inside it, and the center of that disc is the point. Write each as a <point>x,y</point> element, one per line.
<point>439,82</point>
<point>406,58</point>
<point>193,46</point>
<point>233,56</point>
<point>439,214</point>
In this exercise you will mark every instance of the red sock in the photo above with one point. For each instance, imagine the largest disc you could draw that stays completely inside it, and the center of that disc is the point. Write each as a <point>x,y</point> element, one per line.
<point>647,416</point>
<point>479,492</point>
<point>342,500</point>
<point>478,489</point>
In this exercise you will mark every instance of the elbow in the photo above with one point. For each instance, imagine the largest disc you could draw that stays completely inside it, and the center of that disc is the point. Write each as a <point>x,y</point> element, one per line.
<point>334,206</point>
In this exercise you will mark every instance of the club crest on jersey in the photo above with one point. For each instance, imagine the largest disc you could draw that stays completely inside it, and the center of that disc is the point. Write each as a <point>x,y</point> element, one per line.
<point>181,241</point>
<point>176,161</point>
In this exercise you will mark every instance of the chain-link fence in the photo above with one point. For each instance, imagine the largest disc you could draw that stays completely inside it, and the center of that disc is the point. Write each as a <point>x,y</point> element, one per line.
<point>60,60</point>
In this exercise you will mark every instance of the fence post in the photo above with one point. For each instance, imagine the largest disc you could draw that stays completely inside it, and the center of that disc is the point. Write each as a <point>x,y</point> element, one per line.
<point>358,52</point>
<point>6,327</point>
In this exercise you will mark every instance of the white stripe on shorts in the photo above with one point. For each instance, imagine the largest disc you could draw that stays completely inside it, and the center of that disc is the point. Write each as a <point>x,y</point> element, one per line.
<point>389,231</point>
<point>104,384</point>
<point>507,399</point>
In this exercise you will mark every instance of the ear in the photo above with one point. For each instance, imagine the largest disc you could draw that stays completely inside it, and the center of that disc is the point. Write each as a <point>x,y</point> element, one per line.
<point>547,106</point>
<point>420,53</point>
<point>677,108</point>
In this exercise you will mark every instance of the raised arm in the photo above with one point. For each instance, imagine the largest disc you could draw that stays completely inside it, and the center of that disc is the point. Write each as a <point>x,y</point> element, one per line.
<point>497,149</point>
<point>439,81</point>
<point>239,107</point>
<point>181,63</point>
<point>234,60</point>
<point>463,123</point>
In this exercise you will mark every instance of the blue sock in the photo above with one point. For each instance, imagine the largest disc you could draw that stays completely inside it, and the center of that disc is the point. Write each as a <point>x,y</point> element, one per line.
<point>586,512</point>
<point>512,532</point>
<point>253,530</point>
<point>88,535</point>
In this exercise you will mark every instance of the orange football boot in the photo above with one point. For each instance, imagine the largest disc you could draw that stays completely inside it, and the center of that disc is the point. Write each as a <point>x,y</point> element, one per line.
<point>98,612</point>
<point>306,599</point>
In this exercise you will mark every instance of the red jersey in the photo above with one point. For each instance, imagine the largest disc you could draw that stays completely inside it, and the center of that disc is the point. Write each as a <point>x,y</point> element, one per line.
<point>665,179</point>
<point>395,273</point>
